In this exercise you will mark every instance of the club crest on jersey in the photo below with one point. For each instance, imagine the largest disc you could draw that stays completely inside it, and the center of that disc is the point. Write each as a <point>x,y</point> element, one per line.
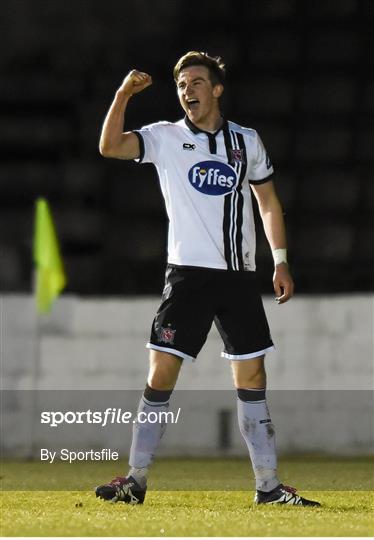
<point>212,177</point>
<point>237,155</point>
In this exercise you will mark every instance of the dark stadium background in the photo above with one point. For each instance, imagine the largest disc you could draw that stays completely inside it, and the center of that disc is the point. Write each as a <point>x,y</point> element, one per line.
<point>300,72</point>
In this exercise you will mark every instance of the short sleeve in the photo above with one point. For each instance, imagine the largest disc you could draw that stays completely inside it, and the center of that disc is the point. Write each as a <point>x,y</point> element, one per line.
<point>260,166</point>
<point>150,143</point>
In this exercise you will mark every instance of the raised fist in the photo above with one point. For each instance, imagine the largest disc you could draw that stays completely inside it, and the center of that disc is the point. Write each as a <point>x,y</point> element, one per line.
<point>135,82</point>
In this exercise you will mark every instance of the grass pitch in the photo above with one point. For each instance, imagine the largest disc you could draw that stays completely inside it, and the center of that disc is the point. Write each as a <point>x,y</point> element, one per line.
<point>193,512</point>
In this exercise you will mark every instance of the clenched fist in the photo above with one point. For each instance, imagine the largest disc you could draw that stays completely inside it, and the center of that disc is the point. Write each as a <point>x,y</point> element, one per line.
<point>135,82</point>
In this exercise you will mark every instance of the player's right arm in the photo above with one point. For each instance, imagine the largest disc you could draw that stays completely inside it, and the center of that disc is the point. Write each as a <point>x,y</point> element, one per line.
<point>114,142</point>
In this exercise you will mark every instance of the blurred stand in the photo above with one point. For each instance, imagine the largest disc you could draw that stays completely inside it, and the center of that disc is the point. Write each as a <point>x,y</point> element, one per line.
<point>298,72</point>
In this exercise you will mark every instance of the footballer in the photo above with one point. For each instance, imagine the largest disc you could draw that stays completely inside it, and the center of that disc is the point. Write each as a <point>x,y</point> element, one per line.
<point>208,166</point>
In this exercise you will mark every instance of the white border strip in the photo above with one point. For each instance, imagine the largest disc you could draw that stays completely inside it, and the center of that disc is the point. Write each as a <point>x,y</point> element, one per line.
<point>247,356</point>
<point>171,351</point>
<point>234,208</point>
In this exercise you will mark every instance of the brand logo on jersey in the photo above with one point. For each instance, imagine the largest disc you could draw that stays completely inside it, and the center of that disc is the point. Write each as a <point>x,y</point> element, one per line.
<point>212,177</point>
<point>188,146</point>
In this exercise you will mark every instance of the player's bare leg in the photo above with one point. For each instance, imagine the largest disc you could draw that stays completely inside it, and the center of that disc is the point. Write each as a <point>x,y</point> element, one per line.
<point>163,370</point>
<point>249,373</point>
<point>163,374</point>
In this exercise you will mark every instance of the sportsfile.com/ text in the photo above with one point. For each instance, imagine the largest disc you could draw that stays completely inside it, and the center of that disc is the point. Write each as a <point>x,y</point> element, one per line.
<point>109,416</point>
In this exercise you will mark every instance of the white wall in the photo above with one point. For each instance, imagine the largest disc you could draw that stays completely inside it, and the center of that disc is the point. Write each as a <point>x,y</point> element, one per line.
<point>319,377</point>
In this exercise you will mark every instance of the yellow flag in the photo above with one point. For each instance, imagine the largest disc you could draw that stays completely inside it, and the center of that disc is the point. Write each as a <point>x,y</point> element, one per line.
<point>50,275</point>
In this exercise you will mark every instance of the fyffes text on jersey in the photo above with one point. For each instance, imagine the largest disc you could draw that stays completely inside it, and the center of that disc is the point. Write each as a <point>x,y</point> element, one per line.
<point>212,177</point>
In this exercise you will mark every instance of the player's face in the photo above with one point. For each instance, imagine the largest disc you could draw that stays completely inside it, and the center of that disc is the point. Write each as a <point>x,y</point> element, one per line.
<point>197,95</point>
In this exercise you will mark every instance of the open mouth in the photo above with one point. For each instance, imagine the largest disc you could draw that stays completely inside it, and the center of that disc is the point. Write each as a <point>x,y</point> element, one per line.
<point>192,104</point>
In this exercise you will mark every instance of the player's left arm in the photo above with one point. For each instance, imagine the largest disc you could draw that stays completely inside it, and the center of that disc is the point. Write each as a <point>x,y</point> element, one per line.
<point>273,222</point>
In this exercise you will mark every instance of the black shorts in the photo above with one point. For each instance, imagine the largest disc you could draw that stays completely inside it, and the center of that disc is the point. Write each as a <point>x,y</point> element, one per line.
<point>194,297</point>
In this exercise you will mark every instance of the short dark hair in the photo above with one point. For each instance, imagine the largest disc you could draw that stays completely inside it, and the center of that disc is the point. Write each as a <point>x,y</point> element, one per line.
<point>215,65</point>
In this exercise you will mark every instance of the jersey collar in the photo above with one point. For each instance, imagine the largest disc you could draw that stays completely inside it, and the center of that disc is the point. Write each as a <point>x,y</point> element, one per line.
<point>211,136</point>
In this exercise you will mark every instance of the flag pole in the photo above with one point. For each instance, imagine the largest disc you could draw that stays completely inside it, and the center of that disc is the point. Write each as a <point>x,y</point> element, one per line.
<point>49,280</point>
<point>35,377</point>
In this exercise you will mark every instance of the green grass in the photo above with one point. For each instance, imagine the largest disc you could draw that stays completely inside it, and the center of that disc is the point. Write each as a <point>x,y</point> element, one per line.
<point>214,513</point>
<point>313,473</point>
<point>196,511</point>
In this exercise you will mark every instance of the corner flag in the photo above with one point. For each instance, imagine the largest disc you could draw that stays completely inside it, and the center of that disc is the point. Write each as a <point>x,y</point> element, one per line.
<point>50,275</point>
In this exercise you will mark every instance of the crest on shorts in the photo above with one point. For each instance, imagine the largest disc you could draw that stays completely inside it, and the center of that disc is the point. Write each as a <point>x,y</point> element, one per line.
<point>166,335</point>
<point>237,155</point>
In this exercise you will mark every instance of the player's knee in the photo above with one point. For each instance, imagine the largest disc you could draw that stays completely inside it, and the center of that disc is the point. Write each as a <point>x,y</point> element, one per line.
<point>163,371</point>
<point>251,378</point>
<point>162,380</point>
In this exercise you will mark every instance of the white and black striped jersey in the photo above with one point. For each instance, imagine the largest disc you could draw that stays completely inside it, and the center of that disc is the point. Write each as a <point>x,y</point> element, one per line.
<point>205,179</point>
